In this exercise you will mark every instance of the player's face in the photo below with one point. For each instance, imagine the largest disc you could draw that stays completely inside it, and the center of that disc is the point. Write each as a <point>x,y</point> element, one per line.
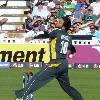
<point>60,23</point>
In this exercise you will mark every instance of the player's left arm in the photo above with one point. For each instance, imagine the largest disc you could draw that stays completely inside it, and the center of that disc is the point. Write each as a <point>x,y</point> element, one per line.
<point>52,34</point>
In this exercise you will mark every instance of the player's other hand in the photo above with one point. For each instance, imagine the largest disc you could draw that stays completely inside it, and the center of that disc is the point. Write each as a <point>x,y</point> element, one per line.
<point>69,55</point>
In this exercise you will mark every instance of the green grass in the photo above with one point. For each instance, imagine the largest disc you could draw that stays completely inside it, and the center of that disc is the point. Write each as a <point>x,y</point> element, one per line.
<point>87,81</point>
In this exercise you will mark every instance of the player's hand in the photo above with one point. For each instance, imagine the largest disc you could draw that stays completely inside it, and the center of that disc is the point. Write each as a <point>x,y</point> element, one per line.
<point>71,55</point>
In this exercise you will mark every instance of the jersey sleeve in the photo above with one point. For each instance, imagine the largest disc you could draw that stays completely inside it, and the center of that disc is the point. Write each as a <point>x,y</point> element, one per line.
<point>53,34</point>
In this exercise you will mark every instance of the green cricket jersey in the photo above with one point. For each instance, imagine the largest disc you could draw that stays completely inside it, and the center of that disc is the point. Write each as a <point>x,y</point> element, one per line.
<point>59,44</point>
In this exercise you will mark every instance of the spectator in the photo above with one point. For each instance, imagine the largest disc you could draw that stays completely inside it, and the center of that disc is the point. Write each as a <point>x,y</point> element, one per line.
<point>41,25</point>
<point>68,6</point>
<point>51,27</point>
<point>40,10</point>
<point>82,2</point>
<point>90,15</point>
<point>53,11</point>
<point>94,32</point>
<point>59,11</point>
<point>78,6</point>
<point>28,24</point>
<point>35,32</point>
<point>30,21</point>
<point>96,7</point>
<point>77,28</point>
<point>87,25</point>
<point>51,4</point>
<point>52,19</point>
<point>80,13</point>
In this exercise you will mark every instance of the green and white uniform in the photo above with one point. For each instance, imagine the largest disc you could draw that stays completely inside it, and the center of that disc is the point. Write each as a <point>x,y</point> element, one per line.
<point>56,68</point>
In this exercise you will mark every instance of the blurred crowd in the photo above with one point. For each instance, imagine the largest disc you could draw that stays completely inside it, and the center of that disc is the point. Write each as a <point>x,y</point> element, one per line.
<point>44,15</point>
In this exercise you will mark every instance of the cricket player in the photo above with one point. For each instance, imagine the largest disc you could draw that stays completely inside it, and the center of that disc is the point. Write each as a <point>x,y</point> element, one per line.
<point>60,44</point>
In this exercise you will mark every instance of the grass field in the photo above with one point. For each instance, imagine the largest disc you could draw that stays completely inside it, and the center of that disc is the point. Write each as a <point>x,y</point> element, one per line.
<point>87,81</point>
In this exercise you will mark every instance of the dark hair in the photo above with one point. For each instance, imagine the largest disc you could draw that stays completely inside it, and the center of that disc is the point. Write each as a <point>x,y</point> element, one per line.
<point>39,3</point>
<point>36,24</point>
<point>67,22</point>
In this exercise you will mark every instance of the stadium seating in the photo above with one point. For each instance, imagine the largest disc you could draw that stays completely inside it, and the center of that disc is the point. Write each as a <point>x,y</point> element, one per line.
<point>14,12</point>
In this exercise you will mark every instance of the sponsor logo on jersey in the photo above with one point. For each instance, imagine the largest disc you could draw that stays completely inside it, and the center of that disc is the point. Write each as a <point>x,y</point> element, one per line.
<point>64,37</point>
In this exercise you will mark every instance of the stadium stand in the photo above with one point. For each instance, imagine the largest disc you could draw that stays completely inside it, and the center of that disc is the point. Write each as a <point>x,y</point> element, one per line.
<point>18,17</point>
<point>14,13</point>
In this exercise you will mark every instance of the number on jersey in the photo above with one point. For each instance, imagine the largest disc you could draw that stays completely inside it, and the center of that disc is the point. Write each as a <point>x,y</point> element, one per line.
<point>64,47</point>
